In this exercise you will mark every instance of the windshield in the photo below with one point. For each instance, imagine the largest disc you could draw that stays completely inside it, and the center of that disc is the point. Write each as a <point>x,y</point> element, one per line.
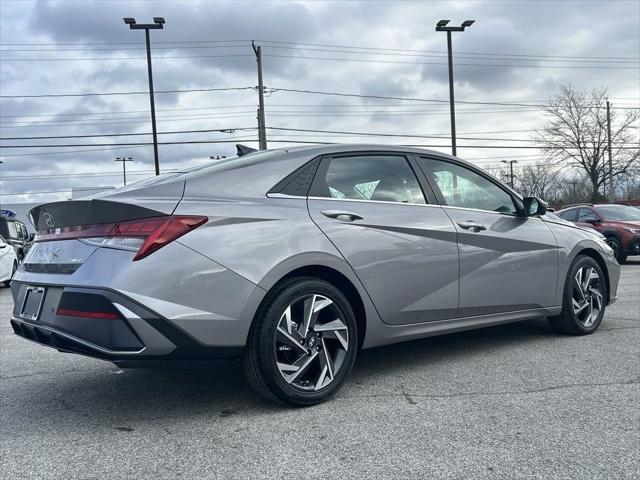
<point>620,213</point>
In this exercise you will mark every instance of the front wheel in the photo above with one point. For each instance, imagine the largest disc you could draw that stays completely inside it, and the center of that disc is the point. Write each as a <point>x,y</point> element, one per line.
<point>303,343</point>
<point>584,298</point>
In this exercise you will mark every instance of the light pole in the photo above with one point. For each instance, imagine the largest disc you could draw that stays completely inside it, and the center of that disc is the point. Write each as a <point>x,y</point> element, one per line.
<point>158,24</point>
<point>510,162</point>
<point>441,26</point>
<point>124,161</point>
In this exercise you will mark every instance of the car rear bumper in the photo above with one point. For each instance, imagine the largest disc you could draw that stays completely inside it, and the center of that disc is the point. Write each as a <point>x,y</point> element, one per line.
<point>133,337</point>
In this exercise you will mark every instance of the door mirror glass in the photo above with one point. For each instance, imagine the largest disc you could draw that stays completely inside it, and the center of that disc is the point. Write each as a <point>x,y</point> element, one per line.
<point>534,206</point>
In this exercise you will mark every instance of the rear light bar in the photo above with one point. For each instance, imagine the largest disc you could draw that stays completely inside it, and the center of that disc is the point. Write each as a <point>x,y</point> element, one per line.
<point>155,232</point>
<point>69,312</point>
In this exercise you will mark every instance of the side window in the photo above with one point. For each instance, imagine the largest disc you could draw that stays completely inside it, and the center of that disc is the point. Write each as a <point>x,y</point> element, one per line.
<point>386,178</point>
<point>586,214</point>
<point>462,187</point>
<point>570,215</point>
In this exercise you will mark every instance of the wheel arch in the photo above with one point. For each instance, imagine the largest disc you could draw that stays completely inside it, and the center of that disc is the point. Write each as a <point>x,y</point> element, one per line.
<point>331,275</point>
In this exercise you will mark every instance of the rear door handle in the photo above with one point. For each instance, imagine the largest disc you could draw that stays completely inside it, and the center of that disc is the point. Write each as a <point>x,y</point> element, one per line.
<point>342,215</point>
<point>472,226</point>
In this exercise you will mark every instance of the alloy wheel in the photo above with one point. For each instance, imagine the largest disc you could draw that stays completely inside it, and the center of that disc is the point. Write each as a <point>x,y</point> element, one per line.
<point>587,299</point>
<point>311,342</point>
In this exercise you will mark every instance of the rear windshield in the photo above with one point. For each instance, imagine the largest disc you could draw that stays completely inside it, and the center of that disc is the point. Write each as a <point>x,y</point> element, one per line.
<point>231,163</point>
<point>621,213</point>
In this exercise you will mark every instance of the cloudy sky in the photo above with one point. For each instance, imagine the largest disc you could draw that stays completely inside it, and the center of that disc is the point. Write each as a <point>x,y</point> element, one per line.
<point>518,52</point>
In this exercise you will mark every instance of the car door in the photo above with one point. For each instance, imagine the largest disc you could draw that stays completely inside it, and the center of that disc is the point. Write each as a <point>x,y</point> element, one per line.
<point>402,248</point>
<point>508,262</point>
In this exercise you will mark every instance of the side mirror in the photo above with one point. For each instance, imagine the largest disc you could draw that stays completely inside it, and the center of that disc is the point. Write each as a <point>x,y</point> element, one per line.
<point>32,236</point>
<point>591,221</point>
<point>534,206</point>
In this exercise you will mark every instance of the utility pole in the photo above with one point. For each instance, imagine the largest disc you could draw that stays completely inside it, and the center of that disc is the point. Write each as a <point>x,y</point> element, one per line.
<point>441,26</point>
<point>158,23</point>
<point>612,194</point>
<point>510,162</point>
<point>124,161</point>
<point>262,129</point>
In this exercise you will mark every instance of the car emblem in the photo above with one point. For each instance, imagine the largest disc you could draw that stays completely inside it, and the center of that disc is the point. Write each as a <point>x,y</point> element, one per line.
<point>48,219</point>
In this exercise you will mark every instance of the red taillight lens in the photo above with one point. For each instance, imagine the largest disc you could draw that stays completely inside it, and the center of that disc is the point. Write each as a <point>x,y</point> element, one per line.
<point>155,232</point>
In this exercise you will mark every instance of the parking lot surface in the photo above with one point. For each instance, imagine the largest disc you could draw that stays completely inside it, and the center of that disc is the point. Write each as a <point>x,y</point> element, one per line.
<point>515,401</point>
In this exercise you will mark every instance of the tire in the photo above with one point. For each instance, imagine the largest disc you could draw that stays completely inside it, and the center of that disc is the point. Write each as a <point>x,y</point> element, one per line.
<point>13,271</point>
<point>616,245</point>
<point>277,368</point>
<point>584,298</point>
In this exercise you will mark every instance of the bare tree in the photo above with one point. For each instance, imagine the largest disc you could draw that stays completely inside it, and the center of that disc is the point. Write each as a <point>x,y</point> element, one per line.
<point>576,135</point>
<point>538,180</point>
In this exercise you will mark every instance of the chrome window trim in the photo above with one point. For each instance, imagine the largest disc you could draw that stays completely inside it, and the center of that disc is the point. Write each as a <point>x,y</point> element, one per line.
<point>385,202</point>
<point>283,195</point>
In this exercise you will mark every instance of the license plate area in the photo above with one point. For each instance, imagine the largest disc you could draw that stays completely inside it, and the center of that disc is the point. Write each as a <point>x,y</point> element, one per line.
<point>32,303</point>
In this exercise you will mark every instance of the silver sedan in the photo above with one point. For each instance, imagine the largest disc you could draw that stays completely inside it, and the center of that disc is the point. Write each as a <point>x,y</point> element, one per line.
<point>296,259</point>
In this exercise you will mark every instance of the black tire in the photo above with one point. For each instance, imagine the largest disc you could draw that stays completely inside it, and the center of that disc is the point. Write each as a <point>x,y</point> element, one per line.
<point>7,283</point>
<point>259,358</point>
<point>616,245</point>
<point>568,322</point>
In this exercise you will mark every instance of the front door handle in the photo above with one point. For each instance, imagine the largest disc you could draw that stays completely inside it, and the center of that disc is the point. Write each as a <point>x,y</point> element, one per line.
<point>342,215</point>
<point>472,226</point>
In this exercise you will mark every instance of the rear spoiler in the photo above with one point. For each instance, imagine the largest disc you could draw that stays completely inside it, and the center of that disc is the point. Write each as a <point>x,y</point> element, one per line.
<point>86,212</point>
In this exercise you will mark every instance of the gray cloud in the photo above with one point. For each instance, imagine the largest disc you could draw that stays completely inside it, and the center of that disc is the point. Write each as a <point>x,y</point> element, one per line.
<point>523,27</point>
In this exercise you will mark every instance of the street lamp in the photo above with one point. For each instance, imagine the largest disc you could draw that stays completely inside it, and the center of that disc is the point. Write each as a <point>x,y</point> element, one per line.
<point>124,161</point>
<point>510,162</point>
<point>158,24</point>
<point>441,26</point>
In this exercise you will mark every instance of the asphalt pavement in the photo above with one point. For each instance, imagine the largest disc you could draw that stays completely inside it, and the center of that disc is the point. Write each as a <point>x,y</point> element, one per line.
<point>509,402</point>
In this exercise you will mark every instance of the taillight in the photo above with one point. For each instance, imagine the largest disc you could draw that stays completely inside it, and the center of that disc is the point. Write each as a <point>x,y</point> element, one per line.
<point>145,235</point>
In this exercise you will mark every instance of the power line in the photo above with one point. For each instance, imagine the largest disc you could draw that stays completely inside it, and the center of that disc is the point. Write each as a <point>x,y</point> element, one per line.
<point>382,97</point>
<point>235,140</point>
<point>352,50</point>
<point>225,130</point>
<point>101,59</point>
<point>458,64</point>
<point>101,94</point>
<point>243,42</point>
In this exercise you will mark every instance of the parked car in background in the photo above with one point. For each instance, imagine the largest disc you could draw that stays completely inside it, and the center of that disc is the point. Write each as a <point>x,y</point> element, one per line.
<point>296,259</point>
<point>620,224</point>
<point>8,262</point>
<point>15,234</point>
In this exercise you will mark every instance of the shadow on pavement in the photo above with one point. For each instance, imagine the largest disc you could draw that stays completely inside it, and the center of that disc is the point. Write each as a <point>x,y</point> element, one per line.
<point>119,399</point>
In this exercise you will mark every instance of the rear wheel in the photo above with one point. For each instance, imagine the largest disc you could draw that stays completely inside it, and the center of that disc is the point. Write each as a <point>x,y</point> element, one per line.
<point>584,298</point>
<point>303,343</point>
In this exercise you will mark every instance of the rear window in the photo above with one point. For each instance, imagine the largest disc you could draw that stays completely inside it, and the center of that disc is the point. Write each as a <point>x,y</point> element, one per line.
<point>234,162</point>
<point>570,215</point>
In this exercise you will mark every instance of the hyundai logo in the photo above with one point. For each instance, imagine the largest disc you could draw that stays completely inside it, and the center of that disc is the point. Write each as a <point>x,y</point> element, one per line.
<point>48,219</point>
